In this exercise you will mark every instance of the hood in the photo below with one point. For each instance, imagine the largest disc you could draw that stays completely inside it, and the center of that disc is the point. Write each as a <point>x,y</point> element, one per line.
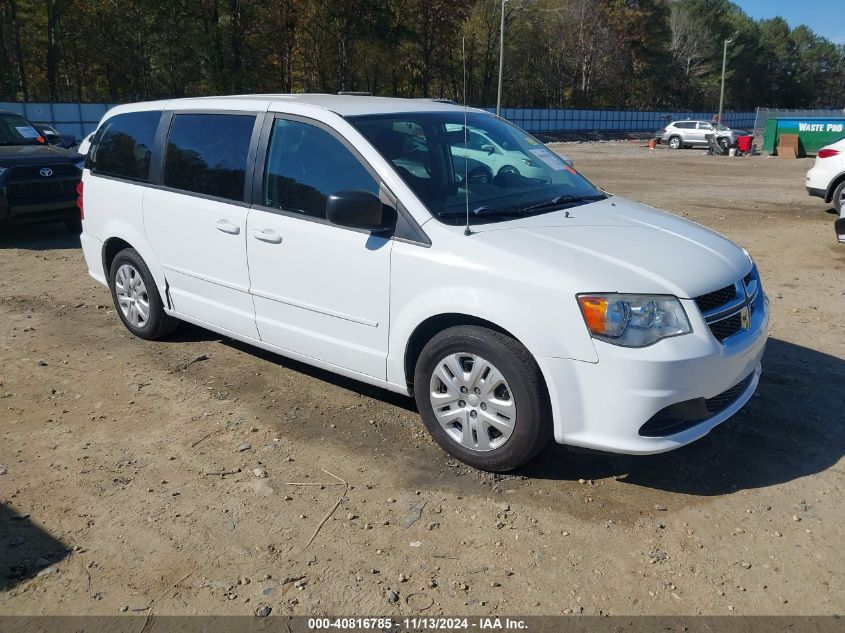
<point>616,245</point>
<point>12,155</point>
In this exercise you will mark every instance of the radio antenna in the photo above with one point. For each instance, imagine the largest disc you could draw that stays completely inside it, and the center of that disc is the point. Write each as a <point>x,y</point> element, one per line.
<point>466,142</point>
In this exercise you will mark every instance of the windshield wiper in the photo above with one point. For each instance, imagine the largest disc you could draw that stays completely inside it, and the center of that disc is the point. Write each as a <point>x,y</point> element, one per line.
<point>562,200</point>
<point>554,202</point>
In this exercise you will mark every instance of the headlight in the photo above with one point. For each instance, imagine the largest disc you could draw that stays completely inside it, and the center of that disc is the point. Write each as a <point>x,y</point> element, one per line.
<point>633,320</point>
<point>2,169</point>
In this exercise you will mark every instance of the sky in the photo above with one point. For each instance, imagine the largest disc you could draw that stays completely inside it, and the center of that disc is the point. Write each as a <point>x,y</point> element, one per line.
<point>825,17</point>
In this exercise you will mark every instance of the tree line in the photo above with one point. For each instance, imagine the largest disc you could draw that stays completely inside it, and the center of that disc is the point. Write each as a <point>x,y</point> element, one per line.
<point>631,54</point>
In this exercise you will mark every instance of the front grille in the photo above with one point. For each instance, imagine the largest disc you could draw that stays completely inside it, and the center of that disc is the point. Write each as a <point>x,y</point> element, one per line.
<point>726,327</point>
<point>723,309</point>
<point>716,299</point>
<point>34,171</point>
<point>18,191</point>
<point>719,403</point>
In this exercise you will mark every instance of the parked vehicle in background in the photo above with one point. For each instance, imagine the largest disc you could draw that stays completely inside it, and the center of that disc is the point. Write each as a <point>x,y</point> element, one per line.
<point>54,137</point>
<point>683,134</point>
<point>37,180</point>
<point>559,312</point>
<point>494,156</point>
<point>826,180</point>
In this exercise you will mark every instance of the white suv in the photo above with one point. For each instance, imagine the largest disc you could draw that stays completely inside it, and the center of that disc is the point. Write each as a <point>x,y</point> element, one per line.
<point>680,134</point>
<point>826,180</point>
<point>296,223</point>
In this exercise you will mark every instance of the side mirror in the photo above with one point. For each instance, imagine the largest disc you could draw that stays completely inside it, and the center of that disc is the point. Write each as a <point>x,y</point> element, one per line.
<point>488,148</point>
<point>358,210</point>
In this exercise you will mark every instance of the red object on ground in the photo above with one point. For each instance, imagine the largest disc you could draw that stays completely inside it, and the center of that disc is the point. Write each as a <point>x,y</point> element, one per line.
<point>743,143</point>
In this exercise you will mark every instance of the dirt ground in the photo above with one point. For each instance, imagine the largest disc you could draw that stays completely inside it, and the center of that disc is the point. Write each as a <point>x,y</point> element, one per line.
<point>111,499</point>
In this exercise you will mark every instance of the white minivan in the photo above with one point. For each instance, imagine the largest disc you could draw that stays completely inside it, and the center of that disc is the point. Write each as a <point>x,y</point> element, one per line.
<point>348,233</point>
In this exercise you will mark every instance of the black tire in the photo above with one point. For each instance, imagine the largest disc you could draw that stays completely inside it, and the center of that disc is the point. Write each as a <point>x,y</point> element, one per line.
<point>725,144</point>
<point>508,169</point>
<point>533,426</point>
<point>675,142</point>
<point>480,175</point>
<point>839,197</point>
<point>159,324</point>
<point>74,225</point>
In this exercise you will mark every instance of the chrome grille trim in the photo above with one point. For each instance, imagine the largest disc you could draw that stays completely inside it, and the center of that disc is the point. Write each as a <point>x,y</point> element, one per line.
<point>746,292</point>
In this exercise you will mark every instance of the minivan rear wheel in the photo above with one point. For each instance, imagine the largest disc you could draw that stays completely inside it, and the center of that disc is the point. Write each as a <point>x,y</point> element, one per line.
<point>482,397</point>
<point>136,297</point>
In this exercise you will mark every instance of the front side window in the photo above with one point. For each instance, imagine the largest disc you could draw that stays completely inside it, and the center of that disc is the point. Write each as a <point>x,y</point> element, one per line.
<point>207,154</point>
<point>305,165</point>
<point>451,159</point>
<point>123,145</point>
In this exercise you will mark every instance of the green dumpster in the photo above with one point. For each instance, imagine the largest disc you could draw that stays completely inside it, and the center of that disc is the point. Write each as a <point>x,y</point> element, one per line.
<point>813,132</point>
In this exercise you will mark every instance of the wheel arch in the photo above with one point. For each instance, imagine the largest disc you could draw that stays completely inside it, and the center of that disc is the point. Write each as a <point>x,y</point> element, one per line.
<point>834,183</point>
<point>122,236</point>
<point>431,326</point>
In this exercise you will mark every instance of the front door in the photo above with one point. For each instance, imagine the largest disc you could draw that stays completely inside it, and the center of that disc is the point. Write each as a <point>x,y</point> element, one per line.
<point>197,221</point>
<point>319,290</point>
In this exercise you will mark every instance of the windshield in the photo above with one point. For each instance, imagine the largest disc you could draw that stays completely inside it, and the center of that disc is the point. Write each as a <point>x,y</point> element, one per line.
<point>16,130</point>
<point>500,170</point>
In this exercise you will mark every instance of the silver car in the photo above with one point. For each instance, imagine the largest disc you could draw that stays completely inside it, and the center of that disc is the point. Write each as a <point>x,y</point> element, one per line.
<point>680,134</point>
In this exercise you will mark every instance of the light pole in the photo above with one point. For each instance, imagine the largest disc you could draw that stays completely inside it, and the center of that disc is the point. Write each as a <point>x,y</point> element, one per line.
<point>724,61</point>
<point>501,59</point>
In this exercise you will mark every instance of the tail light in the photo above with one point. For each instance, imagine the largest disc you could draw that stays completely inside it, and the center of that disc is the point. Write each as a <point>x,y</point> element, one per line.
<point>827,153</point>
<point>79,189</point>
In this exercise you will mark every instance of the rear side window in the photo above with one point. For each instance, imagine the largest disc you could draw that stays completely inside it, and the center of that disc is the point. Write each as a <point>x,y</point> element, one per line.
<point>207,154</point>
<point>305,165</point>
<point>123,145</point>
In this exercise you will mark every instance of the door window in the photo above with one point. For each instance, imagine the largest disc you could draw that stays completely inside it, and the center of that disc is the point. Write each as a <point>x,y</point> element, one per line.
<point>305,165</point>
<point>207,154</point>
<point>123,145</point>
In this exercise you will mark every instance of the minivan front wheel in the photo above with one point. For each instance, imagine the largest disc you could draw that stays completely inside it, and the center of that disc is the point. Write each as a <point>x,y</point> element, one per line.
<point>136,297</point>
<point>482,398</point>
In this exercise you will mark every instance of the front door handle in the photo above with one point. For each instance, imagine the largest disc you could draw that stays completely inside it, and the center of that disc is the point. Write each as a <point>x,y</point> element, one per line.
<point>267,235</point>
<point>227,227</point>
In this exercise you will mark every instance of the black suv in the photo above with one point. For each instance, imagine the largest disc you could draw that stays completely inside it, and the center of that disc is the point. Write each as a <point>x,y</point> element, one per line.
<point>37,180</point>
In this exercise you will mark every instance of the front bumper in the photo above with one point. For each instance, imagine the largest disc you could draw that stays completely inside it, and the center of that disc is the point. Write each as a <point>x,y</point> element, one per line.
<point>603,405</point>
<point>817,193</point>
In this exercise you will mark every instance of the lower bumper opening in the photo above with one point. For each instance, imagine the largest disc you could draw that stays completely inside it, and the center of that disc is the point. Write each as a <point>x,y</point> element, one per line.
<point>685,415</point>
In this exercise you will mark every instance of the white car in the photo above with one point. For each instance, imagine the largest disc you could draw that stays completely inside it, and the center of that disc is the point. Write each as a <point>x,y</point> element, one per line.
<point>491,156</point>
<point>514,311</point>
<point>826,180</point>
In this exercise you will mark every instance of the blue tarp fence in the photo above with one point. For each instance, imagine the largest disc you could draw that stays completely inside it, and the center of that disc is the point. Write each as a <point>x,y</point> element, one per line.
<point>80,119</point>
<point>549,120</point>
